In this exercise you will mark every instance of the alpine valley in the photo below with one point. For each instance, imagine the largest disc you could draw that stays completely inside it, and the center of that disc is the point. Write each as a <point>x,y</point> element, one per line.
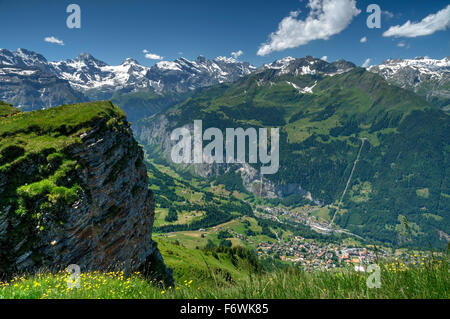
<point>364,161</point>
<point>372,155</point>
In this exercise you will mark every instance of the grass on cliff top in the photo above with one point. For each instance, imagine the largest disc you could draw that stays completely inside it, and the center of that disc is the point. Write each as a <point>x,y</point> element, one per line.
<point>7,109</point>
<point>54,128</point>
<point>63,119</point>
<point>427,279</point>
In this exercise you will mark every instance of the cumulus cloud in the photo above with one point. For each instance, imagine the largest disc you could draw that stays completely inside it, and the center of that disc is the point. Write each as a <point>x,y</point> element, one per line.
<point>52,39</point>
<point>366,63</point>
<point>237,54</point>
<point>325,19</point>
<point>152,56</point>
<point>363,40</point>
<point>387,14</point>
<point>434,22</point>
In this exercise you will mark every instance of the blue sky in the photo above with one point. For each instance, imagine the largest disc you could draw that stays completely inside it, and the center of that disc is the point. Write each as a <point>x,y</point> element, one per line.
<point>113,30</point>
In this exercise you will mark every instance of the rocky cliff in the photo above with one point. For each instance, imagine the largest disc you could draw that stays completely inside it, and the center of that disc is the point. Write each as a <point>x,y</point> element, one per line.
<point>154,133</point>
<point>74,190</point>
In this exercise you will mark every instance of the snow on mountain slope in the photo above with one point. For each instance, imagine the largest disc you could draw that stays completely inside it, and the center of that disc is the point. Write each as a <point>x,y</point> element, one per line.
<point>95,78</point>
<point>435,69</point>
<point>86,72</point>
<point>427,77</point>
<point>307,66</point>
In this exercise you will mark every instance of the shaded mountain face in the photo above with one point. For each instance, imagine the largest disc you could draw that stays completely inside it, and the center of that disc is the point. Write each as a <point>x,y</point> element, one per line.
<point>427,77</point>
<point>28,79</point>
<point>327,114</point>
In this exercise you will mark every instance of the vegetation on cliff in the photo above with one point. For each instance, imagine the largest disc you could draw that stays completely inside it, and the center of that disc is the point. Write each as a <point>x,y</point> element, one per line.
<point>43,138</point>
<point>7,109</point>
<point>40,175</point>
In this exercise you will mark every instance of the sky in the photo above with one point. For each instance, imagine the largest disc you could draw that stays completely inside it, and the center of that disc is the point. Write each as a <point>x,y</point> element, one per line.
<point>250,30</point>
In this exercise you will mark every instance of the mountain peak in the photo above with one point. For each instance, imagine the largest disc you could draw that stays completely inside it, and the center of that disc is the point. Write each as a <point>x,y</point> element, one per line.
<point>89,59</point>
<point>130,61</point>
<point>29,56</point>
<point>84,56</point>
<point>201,59</point>
<point>225,59</point>
<point>308,65</point>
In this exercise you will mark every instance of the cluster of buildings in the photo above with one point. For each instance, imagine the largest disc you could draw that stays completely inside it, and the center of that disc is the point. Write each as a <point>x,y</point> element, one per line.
<point>312,255</point>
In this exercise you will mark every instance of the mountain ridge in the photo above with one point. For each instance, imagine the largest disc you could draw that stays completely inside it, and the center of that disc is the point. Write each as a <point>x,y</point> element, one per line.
<point>87,78</point>
<point>429,78</point>
<point>320,136</point>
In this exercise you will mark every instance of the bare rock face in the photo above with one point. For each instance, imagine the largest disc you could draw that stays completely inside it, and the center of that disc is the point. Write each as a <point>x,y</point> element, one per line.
<point>155,131</point>
<point>108,227</point>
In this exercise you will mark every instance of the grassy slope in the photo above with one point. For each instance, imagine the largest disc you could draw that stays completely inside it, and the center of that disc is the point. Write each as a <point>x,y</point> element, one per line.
<point>54,127</point>
<point>201,275</point>
<point>7,109</point>
<point>196,207</point>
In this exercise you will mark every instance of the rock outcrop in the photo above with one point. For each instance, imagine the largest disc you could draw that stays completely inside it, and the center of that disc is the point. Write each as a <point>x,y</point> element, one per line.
<point>107,226</point>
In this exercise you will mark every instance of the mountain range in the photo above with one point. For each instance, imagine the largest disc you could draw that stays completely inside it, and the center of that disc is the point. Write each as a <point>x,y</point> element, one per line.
<point>427,77</point>
<point>372,153</point>
<point>28,80</point>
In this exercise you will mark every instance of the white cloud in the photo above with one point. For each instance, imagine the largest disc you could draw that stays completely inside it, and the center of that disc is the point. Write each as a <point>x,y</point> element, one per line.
<point>324,58</point>
<point>401,44</point>
<point>388,14</point>
<point>52,39</point>
<point>152,56</point>
<point>237,54</point>
<point>363,40</point>
<point>366,63</point>
<point>325,19</point>
<point>434,22</point>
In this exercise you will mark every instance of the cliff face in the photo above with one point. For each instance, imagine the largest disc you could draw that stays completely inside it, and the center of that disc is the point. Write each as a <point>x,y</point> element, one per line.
<point>106,224</point>
<point>155,133</point>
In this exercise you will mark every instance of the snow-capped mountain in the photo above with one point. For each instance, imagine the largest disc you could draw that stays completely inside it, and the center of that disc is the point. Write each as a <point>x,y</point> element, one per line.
<point>89,75</point>
<point>183,75</point>
<point>26,80</point>
<point>427,77</point>
<point>86,72</point>
<point>22,58</point>
<point>308,65</point>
